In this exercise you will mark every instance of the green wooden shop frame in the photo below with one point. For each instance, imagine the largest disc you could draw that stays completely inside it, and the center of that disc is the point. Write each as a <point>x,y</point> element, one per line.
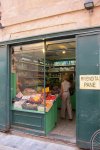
<point>6,115</point>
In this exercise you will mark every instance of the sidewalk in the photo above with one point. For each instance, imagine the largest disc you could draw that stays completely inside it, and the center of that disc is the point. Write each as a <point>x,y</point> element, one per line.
<point>13,142</point>
<point>2,147</point>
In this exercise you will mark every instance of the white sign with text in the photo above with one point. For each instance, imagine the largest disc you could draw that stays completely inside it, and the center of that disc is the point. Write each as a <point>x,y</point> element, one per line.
<point>90,82</point>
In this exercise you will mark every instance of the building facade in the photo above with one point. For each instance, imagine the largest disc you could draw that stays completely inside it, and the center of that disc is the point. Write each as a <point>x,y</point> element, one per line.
<point>33,17</point>
<point>46,24</point>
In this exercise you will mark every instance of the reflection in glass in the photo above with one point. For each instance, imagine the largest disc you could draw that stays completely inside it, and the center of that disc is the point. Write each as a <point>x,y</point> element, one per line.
<point>27,77</point>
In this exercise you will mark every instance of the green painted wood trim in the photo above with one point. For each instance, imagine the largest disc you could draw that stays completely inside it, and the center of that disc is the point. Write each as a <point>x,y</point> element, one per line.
<point>50,36</point>
<point>24,110</point>
<point>87,101</point>
<point>83,144</point>
<point>4,88</point>
<point>27,130</point>
<point>51,118</point>
<point>13,85</point>
<point>33,121</point>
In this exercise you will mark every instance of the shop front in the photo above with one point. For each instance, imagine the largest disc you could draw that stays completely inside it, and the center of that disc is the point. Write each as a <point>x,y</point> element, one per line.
<point>36,76</point>
<point>31,74</point>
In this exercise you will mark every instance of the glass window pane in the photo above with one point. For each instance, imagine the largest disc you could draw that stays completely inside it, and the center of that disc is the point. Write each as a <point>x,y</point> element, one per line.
<point>27,77</point>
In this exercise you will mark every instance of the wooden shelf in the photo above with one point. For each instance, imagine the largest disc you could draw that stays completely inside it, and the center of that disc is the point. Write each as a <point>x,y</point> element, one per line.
<point>31,63</point>
<point>60,71</point>
<point>64,66</point>
<point>30,70</point>
<point>54,77</point>
<point>33,77</point>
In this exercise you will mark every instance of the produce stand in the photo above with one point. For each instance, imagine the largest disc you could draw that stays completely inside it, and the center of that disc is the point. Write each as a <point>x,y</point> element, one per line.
<point>73,101</point>
<point>52,114</point>
<point>46,124</point>
<point>51,118</point>
<point>59,100</point>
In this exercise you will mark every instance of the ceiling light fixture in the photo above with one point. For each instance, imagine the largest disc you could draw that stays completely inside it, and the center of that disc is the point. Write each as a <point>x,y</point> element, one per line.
<point>63,52</point>
<point>43,50</point>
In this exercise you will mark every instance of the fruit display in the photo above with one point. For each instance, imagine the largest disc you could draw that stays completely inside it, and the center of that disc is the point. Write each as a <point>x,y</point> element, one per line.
<point>51,97</point>
<point>36,99</point>
<point>49,104</point>
<point>27,105</point>
<point>29,91</point>
<point>41,108</point>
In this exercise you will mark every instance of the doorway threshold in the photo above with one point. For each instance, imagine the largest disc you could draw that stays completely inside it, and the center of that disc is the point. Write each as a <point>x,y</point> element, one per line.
<point>65,130</point>
<point>62,138</point>
<point>48,138</point>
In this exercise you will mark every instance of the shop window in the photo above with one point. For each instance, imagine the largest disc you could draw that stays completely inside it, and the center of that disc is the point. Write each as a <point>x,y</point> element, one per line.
<point>27,78</point>
<point>37,72</point>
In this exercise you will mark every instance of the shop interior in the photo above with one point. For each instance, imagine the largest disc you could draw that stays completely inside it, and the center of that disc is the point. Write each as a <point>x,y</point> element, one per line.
<point>61,58</point>
<point>36,77</point>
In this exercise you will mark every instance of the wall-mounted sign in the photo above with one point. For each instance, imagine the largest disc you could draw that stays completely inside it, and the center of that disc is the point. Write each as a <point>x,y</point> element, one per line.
<point>90,82</point>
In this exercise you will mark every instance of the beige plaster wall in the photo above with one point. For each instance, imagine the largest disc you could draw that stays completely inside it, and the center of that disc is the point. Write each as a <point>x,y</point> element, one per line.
<point>22,18</point>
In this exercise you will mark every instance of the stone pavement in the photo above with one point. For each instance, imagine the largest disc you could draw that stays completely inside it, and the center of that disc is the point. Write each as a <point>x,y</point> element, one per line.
<point>13,142</point>
<point>2,147</point>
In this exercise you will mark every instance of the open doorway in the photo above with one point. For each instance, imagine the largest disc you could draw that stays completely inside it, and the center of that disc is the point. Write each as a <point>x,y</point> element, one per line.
<point>61,60</point>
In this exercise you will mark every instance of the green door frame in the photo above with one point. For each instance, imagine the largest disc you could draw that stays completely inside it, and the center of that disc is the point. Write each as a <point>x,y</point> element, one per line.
<point>4,89</point>
<point>88,106</point>
<point>52,36</point>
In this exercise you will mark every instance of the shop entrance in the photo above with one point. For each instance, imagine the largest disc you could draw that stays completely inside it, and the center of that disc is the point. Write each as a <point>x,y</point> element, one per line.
<point>30,69</point>
<point>36,95</point>
<point>60,62</point>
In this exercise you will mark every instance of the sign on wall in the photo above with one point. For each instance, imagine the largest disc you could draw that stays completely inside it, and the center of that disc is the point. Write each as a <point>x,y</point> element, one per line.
<point>90,82</point>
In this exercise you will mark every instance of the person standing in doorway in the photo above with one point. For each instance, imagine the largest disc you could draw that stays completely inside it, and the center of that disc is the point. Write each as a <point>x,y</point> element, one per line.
<point>66,104</point>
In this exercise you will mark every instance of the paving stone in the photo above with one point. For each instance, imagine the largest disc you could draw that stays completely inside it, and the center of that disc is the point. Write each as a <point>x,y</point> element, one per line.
<point>13,142</point>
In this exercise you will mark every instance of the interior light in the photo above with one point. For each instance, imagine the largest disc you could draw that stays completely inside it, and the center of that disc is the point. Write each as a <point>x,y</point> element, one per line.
<point>63,52</point>
<point>43,50</point>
